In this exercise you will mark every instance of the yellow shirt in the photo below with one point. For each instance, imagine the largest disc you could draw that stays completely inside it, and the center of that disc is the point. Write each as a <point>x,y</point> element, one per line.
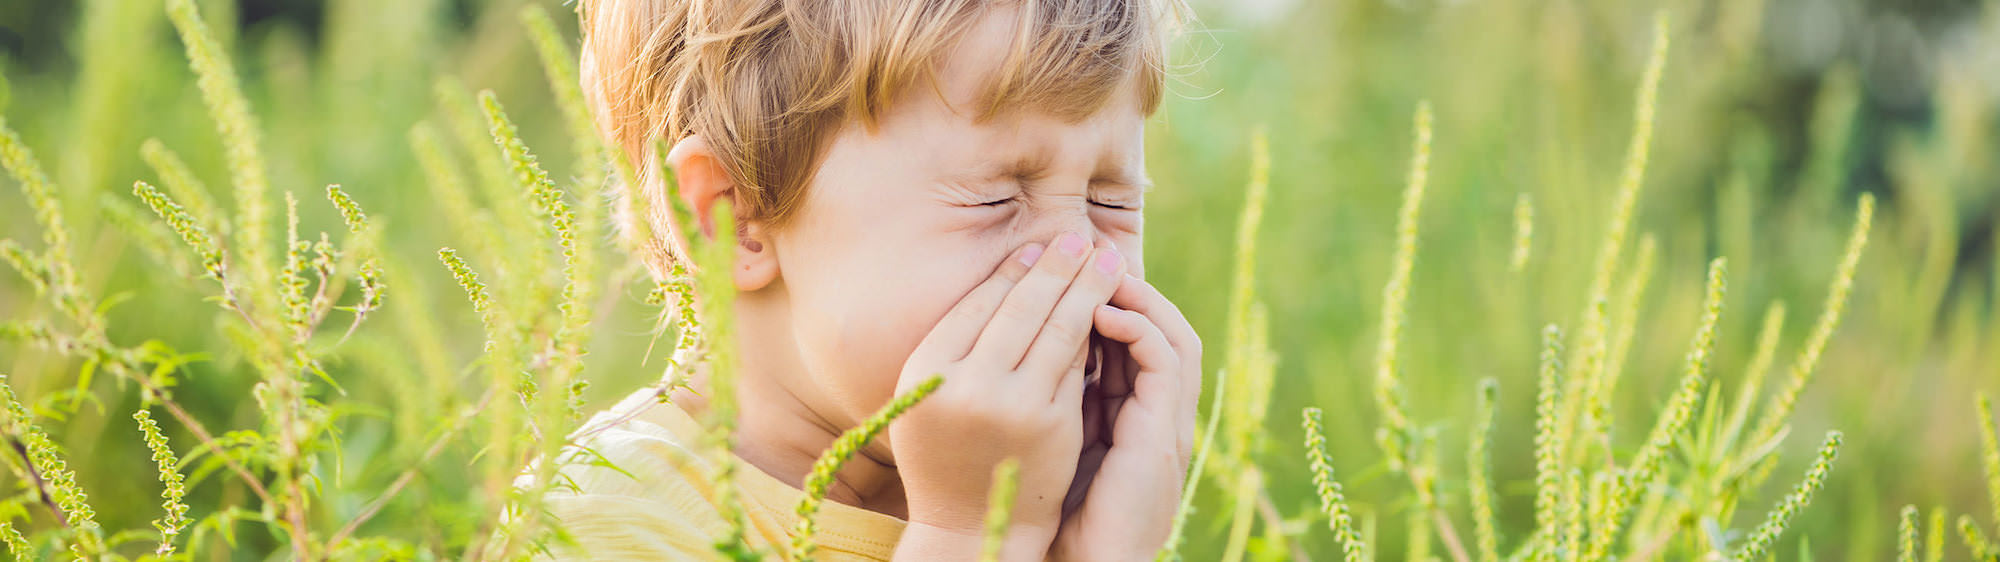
<point>663,505</point>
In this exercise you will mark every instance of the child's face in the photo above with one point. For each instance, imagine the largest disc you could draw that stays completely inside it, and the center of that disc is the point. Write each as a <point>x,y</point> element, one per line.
<point>900,223</point>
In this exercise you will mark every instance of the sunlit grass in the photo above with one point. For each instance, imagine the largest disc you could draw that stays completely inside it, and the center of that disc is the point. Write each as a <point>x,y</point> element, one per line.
<point>1608,402</point>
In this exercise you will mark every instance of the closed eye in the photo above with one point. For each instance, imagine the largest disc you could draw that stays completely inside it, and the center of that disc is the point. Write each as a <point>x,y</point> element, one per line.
<point>1004,201</point>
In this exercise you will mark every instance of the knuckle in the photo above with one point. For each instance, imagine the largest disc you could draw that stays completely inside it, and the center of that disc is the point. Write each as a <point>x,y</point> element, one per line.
<point>1012,312</point>
<point>1063,331</point>
<point>1040,280</point>
<point>975,309</point>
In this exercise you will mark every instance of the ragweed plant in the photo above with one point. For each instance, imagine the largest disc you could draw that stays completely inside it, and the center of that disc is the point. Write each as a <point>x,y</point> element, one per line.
<point>1906,535</point>
<point>1239,360</point>
<point>1774,523</point>
<point>1479,473</point>
<point>820,480</point>
<point>1976,541</point>
<point>1989,439</point>
<point>282,297</point>
<point>175,490</point>
<point>1000,508</point>
<point>1589,503</point>
<point>481,420</point>
<point>1524,232</point>
<point>1339,519</point>
<point>56,483</point>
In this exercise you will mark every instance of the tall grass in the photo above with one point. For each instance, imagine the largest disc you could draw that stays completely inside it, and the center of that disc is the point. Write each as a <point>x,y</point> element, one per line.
<point>438,431</point>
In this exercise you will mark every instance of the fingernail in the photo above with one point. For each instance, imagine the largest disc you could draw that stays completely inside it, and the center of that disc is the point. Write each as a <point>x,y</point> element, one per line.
<point>1030,254</point>
<point>1108,260</point>
<point>1072,244</point>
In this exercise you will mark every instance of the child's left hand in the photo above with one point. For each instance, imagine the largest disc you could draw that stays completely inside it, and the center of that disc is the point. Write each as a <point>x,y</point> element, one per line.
<point>1139,429</point>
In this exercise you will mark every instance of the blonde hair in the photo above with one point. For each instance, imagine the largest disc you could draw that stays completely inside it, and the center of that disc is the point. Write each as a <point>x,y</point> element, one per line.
<point>767,82</point>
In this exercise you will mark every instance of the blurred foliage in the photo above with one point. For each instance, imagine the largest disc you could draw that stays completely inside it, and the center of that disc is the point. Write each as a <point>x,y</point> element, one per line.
<point>1773,116</point>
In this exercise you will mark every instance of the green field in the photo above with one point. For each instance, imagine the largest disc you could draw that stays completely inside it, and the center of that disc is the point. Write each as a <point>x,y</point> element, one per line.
<point>1385,278</point>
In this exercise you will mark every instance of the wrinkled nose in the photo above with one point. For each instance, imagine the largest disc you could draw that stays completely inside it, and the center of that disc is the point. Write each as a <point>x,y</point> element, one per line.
<point>1050,224</point>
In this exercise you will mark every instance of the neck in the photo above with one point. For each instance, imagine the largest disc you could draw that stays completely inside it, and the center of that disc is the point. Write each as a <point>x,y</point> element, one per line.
<point>782,427</point>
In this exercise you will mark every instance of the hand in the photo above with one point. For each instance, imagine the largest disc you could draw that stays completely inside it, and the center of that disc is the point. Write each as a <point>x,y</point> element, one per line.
<point>1143,410</point>
<point>1012,356</point>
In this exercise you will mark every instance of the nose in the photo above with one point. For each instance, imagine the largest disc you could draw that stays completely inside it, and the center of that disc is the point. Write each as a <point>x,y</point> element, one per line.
<point>1049,224</point>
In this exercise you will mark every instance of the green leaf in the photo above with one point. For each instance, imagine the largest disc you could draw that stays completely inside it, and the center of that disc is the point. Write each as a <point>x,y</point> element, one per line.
<point>83,379</point>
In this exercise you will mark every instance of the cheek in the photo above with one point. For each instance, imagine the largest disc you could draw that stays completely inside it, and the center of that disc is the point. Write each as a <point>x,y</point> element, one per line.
<point>1134,250</point>
<point>858,321</point>
<point>1130,238</point>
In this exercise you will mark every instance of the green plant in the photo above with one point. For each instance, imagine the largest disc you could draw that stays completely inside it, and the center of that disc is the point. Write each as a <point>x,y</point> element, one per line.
<point>1006,483</point>
<point>290,430</point>
<point>1584,507</point>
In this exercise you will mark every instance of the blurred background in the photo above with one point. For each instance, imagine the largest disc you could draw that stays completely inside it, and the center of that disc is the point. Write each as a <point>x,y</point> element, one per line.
<point>1773,117</point>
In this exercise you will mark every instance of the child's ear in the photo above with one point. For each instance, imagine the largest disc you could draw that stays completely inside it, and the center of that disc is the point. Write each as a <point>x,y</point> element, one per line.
<point>702,179</point>
<point>699,174</point>
<point>756,257</point>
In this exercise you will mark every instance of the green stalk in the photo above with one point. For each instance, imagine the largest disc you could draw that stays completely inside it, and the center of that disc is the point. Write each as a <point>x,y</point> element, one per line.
<point>1240,303</point>
<point>1774,523</point>
<point>1592,347</point>
<point>1680,408</point>
<point>820,480</point>
<point>1000,508</point>
<point>1394,438</point>
<point>1479,472</point>
<point>1331,501</point>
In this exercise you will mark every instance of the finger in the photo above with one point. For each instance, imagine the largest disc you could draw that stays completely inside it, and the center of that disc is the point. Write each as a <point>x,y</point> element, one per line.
<point>1079,367</point>
<point>1139,296</point>
<point>1157,379</point>
<point>953,336</point>
<point>1128,370</point>
<point>1072,382</point>
<point>1026,308</point>
<point>1068,327</point>
<point>1190,392</point>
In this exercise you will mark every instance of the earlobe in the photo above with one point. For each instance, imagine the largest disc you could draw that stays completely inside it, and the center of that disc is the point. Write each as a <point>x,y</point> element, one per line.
<point>756,261</point>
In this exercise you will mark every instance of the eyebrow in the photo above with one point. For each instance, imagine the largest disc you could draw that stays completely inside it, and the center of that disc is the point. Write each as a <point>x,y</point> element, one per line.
<point>1121,176</point>
<point>1035,165</point>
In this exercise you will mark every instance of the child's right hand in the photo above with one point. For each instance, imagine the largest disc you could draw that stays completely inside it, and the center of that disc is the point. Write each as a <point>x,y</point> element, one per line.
<point>1012,355</point>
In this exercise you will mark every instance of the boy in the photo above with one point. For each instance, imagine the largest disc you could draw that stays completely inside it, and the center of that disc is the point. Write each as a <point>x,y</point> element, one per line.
<point>925,187</point>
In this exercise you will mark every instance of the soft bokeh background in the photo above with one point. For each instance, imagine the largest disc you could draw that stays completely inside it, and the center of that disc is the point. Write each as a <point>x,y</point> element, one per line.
<point>1773,117</point>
